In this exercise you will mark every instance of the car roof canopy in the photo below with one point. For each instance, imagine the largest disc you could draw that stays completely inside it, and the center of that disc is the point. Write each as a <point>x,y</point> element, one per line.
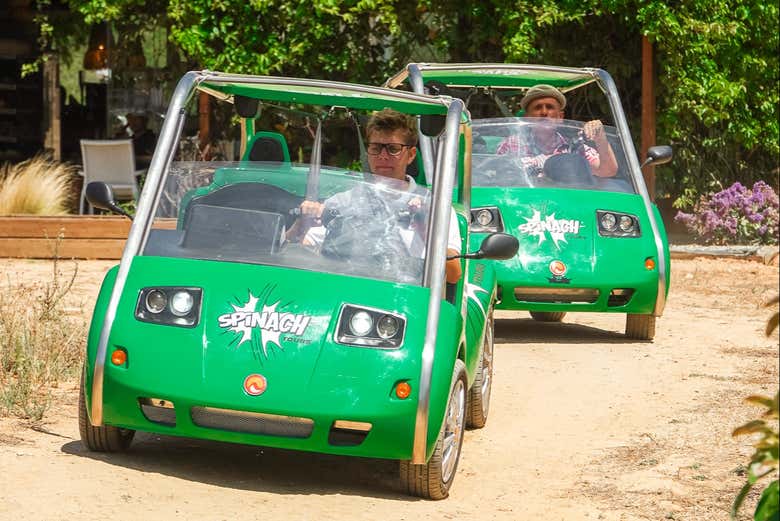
<point>498,75</point>
<point>320,92</point>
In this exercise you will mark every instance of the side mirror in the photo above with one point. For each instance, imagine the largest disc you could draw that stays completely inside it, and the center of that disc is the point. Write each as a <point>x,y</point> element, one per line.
<point>101,196</point>
<point>658,155</point>
<point>496,246</point>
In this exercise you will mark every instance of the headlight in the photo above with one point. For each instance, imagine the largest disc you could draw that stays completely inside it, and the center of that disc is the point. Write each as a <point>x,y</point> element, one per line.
<point>368,327</point>
<point>484,217</point>
<point>361,323</point>
<point>486,220</point>
<point>616,224</point>
<point>181,303</point>
<point>171,305</point>
<point>608,221</point>
<point>156,301</point>
<point>626,223</point>
<point>387,326</point>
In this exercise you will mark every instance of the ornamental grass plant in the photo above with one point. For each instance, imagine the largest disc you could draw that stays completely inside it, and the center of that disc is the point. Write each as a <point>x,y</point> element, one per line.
<point>37,186</point>
<point>736,215</point>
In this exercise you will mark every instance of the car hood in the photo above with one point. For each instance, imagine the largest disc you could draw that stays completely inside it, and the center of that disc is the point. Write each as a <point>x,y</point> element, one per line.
<point>271,321</point>
<point>561,225</point>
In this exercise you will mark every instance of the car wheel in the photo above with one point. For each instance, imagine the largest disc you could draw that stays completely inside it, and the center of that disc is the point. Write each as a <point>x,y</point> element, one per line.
<point>640,327</point>
<point>433,479</point>
<point>104,438</point>
<point>548,316</point>
<point>479,394</point>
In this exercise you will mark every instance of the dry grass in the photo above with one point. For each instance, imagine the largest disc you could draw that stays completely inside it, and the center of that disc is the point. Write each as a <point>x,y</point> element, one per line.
<point>37,186</point>
<point>40,345</point>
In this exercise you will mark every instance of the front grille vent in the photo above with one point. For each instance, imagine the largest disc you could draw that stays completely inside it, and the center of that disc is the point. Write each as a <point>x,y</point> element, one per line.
<point>619,297</point>
<point>556,295</point>
<point>252,422</point>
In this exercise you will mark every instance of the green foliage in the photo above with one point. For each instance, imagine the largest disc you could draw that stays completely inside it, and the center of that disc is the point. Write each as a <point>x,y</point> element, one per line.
<point>765,459</point>
<point>716,61</point>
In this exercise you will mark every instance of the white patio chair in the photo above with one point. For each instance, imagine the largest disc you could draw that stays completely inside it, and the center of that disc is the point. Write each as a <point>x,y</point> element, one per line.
<point>111,161</point>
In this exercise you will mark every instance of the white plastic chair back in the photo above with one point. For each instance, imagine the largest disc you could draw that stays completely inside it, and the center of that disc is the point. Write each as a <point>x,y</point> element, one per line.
<point>111,161</point>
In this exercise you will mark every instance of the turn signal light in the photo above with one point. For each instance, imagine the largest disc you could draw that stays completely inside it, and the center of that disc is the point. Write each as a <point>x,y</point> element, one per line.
<point>119,357</point>
<point>403,390</point>
<point>649,264</point>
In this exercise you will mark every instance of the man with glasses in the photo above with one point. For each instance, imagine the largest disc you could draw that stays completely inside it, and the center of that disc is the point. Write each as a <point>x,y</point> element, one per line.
<point>391,147</point>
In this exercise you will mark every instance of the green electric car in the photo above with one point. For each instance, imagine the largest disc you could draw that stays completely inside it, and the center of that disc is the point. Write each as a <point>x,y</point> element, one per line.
<point>587,243</point>
<point>220,324</point>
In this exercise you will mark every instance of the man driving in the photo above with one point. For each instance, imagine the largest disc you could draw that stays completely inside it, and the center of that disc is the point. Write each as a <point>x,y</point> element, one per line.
<point>391,147</point>
<point>537,143</point>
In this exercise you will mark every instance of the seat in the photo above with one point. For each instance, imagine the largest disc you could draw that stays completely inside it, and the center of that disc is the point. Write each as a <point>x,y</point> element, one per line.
<point>267,146</point>
<point>112,162</point>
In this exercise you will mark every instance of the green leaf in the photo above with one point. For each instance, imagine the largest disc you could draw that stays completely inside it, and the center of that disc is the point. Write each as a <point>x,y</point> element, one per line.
<point>767,507</point>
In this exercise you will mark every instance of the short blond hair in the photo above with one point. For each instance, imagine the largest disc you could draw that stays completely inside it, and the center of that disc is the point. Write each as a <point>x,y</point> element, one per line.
<point>389,120</point>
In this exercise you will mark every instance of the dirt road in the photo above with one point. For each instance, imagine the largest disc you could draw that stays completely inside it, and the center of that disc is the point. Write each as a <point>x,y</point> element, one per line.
<point>584,425</point>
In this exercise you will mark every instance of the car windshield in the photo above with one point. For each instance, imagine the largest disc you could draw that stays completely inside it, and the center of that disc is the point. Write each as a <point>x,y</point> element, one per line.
<point>541,153</point>
<point>246,211</point>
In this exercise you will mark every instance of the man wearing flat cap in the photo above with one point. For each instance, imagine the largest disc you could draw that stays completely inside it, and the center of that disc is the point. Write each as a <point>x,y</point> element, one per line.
<point>545,101</point>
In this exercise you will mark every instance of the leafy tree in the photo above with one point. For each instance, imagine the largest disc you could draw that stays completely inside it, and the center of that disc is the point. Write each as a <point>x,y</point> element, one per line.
<point>716,60</point>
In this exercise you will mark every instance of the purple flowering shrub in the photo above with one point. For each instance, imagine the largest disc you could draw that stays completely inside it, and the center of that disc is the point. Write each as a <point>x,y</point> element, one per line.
<point>736,215</point>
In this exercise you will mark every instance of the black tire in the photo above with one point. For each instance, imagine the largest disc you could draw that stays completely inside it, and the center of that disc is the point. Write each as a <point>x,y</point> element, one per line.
<point>548,316</point>
<point>479,394</point>
<point>104,438</point>
<point>434,479</point>
<point>640,327</point>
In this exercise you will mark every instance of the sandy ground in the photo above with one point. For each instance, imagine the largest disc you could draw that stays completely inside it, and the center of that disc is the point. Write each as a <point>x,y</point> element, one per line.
<point>584,425</point>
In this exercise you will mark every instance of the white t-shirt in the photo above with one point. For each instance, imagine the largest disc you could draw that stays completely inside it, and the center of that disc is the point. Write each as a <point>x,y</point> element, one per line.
<point>411,239</point>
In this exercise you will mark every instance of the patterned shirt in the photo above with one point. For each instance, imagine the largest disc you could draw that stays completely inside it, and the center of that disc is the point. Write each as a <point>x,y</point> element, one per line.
<point>531,155</point>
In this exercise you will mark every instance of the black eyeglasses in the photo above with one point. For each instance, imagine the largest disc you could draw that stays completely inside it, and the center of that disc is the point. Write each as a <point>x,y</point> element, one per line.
<point>394,149</point>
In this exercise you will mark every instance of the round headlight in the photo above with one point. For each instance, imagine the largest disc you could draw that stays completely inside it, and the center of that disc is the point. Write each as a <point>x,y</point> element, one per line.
<point>156,301</point>
<point>608,221</point>
<point>361,323</point>
<point>626,223</point>
<point>181,303</point>
<point>484,217</point>
<point>387,326</point>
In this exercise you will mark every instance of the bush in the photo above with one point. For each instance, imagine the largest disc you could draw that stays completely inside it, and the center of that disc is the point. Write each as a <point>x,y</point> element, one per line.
<point>736,215</point>
<point>40,344</point>
<point>36,186</point>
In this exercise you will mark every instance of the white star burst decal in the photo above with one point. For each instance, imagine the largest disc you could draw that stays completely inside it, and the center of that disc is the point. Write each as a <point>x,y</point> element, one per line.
<point>471,292</point>
<point>552,226</point>
<point>244,329</point>
<point>266,335</point>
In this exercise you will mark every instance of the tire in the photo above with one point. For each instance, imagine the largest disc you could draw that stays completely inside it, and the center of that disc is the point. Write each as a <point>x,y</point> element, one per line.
<point>479,395</point>
<point>640,327</point>
<point>548,316</point>
<point>104,438</point>
<point>434,479</point>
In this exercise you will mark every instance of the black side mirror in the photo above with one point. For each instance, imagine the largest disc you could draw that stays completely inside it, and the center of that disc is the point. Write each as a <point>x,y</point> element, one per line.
<point>246,107</point>
<point>658,155</point>
<point>432,125</point>
<point>496,246</point>
<point>101,196</point>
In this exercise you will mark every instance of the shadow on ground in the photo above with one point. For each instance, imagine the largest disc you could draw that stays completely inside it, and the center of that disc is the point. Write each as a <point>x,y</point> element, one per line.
<point>247,467</point>
<point>528,330</point>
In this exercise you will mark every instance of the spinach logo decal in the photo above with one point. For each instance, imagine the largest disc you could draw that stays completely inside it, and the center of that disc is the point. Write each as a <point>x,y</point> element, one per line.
<point>556,228</point>
<point>270,321</point>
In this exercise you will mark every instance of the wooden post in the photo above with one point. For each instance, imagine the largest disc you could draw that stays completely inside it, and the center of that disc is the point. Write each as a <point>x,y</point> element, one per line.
<point>51,103</point>
<point>648,113</point>
<point>204,124</point>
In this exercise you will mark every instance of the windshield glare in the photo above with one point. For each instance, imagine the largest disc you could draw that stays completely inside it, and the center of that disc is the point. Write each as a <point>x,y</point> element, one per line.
<point>247,212</point>
<point>541,153</point>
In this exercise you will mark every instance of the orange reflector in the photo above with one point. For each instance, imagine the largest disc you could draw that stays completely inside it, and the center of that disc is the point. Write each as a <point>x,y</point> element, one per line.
<point>403,390</point>
<point>649,264</point>
<point>119,357</point>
